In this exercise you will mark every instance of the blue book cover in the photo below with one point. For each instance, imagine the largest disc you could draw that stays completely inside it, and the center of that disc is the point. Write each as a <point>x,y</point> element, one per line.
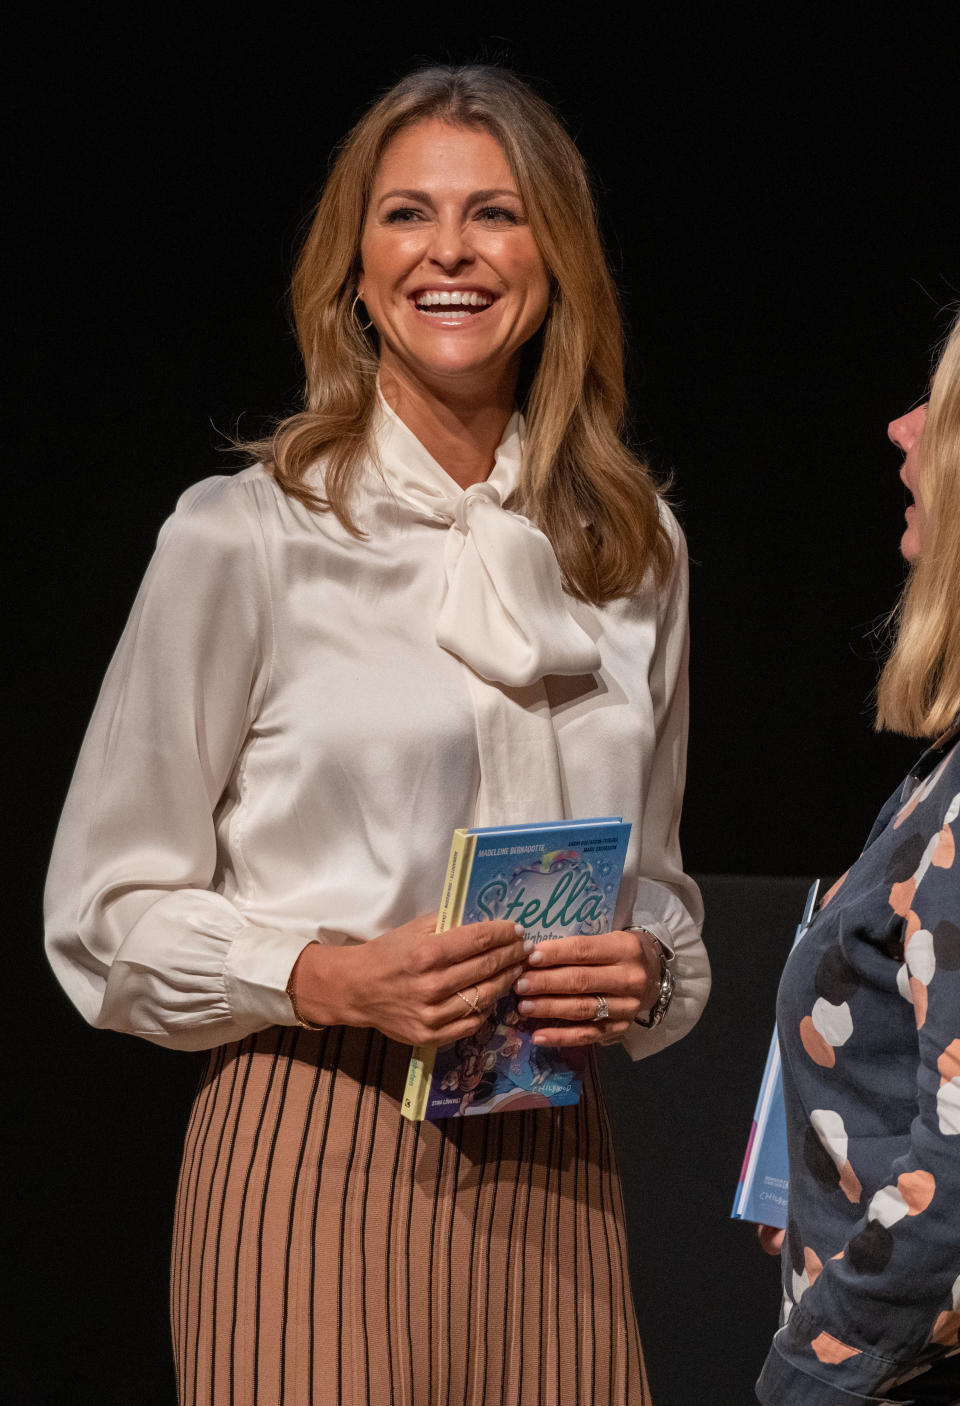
<point>762,1190</point>
<point>556,881</point>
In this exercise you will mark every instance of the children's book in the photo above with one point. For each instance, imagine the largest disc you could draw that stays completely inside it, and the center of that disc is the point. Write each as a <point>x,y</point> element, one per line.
<point>765,1174</point>
<point>555,880</point>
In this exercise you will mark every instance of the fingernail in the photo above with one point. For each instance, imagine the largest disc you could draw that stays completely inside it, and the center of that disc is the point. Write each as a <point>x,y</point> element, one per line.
<point>529,945</point>
<point>525,1007</point>
<point>522,985</point>
<point>535,956</point>
<point>538,1040</point>
<point>519,929</point>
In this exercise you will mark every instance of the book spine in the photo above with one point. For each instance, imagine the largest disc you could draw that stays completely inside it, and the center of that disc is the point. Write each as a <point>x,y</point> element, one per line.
<point>420,1071</point>
<point>770,1090</point>
<point>459,869</point>
<point>766,1153</point>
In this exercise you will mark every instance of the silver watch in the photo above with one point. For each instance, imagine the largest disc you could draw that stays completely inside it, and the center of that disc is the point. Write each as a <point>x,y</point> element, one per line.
<point>662,1004</point>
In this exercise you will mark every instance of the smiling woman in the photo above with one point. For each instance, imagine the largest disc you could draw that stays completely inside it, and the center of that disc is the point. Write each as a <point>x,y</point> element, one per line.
<point>578,481</point>
<point>448,594</point>
<point>452,276</point>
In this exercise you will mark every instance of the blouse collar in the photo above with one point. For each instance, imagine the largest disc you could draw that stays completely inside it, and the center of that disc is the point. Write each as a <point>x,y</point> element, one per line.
<point>413,474</point>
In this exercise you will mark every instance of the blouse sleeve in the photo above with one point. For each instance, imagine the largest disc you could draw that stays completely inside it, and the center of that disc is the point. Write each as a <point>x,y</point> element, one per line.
<point>893,1291</point>
<point>667,902</point>
<point>136,933</point>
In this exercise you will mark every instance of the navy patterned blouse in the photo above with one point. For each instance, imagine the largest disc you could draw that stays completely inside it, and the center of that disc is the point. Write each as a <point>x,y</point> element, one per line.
<point>869,1019</point>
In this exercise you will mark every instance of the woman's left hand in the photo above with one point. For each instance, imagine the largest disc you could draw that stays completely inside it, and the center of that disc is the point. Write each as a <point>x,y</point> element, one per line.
<point>564,978</point>
<point>771,1238</point>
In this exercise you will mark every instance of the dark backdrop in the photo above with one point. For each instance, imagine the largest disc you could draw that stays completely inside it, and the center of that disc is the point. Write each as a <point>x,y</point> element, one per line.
<point>780,199</point>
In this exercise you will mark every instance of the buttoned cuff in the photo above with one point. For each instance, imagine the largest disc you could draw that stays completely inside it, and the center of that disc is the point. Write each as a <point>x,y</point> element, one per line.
<point>257,972</point>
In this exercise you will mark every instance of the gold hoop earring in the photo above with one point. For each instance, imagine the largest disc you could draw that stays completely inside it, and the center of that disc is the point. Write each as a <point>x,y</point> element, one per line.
<point>364,327</point>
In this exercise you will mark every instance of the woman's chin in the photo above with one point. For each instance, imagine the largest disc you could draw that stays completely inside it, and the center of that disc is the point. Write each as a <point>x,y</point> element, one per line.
<point>910,545</point>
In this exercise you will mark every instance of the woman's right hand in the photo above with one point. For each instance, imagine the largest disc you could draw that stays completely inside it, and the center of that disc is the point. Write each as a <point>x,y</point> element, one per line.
<point>405,983</point>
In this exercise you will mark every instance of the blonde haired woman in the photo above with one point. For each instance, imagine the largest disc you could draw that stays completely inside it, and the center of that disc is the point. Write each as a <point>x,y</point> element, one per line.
<point>420,611</point>
<point>869,1016</point>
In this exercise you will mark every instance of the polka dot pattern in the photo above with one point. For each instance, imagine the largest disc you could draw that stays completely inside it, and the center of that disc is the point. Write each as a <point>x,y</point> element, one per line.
<point>946,1328</point>
<point>945,851</point>
<point>832,1135</point>
<point>949,1062</point>
<point>888,1206</point>
<point>833,1023</point>
<point>829,1022</point>
<point>819,1163</point>
<point>920,956</point>
<point>830,1349</point>
<point>869,1252</point>
<point>948,1108</point>
<point>946,945</point>
<point>819,1050</point>
<point>905,859</point>
<point>917,1189</point>
<point>869,1015</point>
<point>921,964</point>
<point>835,979</point>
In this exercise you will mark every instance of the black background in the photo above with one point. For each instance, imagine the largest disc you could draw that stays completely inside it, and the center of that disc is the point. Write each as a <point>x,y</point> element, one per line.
<point>780,199</point>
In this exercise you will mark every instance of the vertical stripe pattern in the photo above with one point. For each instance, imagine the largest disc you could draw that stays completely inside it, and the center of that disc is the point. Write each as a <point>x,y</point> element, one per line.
<point>328,1251</point>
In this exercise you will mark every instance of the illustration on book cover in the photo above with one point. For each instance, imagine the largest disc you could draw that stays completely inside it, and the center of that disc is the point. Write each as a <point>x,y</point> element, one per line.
<point>555,882</point>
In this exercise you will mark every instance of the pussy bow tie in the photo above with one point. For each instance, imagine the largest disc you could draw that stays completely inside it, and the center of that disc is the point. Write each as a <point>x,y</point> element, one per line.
<point>503,611</point>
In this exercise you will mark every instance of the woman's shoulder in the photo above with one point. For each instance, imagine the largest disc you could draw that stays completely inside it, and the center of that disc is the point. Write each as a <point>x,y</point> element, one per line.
<point>221,528</point>
<point>227,497</point>
<point>229,509</point>
<point>671,525</point>
<point>252,499</point>
<point>217,515</point>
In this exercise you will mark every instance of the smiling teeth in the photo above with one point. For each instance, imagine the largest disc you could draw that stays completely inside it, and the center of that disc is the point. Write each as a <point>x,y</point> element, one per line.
<point>455,299</point>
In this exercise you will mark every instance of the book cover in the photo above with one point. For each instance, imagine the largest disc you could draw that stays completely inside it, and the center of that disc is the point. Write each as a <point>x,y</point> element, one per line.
<point>761,1194</point>
<point>555,880</point>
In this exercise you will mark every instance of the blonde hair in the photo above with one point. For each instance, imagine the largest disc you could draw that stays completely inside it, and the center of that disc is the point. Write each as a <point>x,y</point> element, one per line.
<point>593,498</point>
<point>919,689</point>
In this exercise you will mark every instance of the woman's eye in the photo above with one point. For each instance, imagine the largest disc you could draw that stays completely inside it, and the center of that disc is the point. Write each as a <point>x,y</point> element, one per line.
<point>497,214</point>
<point>404,214</point>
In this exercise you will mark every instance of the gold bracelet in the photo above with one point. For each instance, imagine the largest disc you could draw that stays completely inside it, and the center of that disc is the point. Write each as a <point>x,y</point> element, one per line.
<point>307,1024</point>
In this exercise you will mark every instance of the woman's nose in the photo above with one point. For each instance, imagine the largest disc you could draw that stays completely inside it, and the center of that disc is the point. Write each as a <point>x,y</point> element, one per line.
<point>905,431</point>
<point>449,246</point>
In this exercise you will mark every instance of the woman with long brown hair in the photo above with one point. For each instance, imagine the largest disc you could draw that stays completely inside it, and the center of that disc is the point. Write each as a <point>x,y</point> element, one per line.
<point>869,1016</point>
<point>447,595</point>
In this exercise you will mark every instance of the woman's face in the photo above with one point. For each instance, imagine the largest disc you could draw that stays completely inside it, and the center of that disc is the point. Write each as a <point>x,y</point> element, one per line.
<point>451,275</point>
<point>905,434</point>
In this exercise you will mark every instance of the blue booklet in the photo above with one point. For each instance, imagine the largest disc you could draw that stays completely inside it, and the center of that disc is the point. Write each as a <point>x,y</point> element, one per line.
<point>765,1174</point>
<point>555,880</point>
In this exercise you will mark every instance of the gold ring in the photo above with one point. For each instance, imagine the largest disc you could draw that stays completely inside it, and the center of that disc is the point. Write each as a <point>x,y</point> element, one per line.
<point>474,1004</point>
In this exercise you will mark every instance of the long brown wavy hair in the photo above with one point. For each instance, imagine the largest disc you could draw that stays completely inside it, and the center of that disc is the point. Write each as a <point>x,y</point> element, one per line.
<point>594,499</point>
<point>919,689</point>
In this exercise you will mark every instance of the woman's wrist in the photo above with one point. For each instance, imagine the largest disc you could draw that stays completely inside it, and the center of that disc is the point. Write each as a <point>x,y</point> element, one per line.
<point>662,988</point>
<point>320,986</point>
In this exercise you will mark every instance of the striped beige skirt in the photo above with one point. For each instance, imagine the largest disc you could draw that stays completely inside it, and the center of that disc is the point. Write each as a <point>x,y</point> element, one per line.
<point>327,1250</point>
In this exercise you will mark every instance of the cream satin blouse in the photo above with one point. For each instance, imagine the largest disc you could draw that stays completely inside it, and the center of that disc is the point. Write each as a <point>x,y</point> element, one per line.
<point>295,721</point>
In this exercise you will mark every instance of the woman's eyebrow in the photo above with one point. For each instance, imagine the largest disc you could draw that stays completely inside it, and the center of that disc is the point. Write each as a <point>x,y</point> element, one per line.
<point>420,195</point>
<point>426,198</point>
<point>482,195</point>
